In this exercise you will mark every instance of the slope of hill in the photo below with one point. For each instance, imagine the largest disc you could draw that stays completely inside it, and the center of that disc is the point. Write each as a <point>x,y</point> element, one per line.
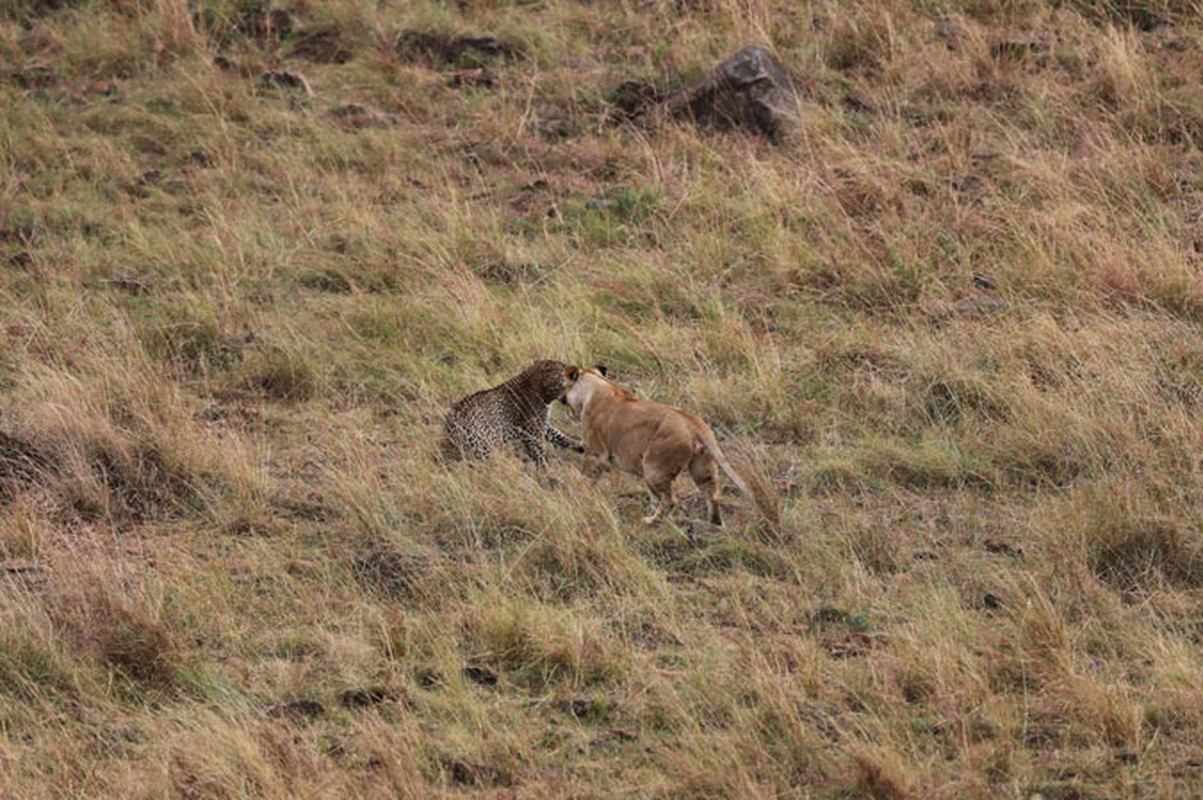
<point>250,252</point>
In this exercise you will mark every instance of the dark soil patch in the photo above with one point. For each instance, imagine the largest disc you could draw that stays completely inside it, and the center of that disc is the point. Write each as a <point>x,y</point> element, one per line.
<point>436,49</point>
<point>391,572</point>
<point>465,773</point>
<point>630,99</point>
<point>296,710</point>
<point>480,674</point>
<point>20,462</point>
<point>365,698</point>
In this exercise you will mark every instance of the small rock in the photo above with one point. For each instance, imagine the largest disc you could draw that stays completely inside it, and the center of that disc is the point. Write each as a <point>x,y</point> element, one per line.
<point>481,674</point>
<point>991,602</point>
<point>983,281</point>
<point>749,90</point>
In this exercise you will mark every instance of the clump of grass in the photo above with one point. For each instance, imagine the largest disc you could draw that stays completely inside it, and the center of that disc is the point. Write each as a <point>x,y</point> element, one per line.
<point>192,338</point>
<point>119,441</point>
<point>1129,540</point>
<point>882,773</point>
<point>281,372</point>
<point>33,663</point>
<point>21,530</point>
<point>951,324</point>
<point>539,646</point>
<point>119,621</point>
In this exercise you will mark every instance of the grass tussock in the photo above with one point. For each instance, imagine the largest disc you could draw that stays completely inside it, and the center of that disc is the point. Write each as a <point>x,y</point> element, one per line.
<point>118,621</point>
<point>117,441</point>
<point>948,331</point>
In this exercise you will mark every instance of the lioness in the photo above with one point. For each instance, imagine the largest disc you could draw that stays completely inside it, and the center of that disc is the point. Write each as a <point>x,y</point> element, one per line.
<point>651,440</point>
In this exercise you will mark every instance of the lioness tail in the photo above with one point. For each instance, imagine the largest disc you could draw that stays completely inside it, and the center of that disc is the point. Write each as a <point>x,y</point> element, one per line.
<point>711,445</point>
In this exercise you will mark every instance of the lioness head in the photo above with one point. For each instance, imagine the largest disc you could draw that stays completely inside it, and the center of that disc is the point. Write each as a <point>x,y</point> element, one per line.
<point>574,394</point>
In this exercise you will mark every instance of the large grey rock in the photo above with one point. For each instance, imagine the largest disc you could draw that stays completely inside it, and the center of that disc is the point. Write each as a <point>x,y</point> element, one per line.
<point>748,90</point>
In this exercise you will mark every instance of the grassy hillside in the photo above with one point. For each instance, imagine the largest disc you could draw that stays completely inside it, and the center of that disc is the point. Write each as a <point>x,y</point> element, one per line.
<point>249,253</point>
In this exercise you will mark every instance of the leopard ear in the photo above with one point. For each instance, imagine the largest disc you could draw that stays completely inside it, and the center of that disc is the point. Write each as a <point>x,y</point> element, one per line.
<point>601,368</point>
<point>572,373</point>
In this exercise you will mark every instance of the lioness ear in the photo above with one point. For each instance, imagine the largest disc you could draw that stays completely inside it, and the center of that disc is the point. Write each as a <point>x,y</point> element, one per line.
<point>572,373</point>
<point>601,368</point>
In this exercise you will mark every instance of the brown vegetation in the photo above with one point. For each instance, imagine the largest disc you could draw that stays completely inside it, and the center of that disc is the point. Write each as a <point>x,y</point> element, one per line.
<point>249,252</point>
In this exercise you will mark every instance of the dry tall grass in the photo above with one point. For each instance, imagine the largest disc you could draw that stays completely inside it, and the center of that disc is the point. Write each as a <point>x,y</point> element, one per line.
<point>954,325</point>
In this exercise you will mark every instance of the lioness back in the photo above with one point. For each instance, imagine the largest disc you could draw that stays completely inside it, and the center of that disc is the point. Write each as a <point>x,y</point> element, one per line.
<point>652,440</point>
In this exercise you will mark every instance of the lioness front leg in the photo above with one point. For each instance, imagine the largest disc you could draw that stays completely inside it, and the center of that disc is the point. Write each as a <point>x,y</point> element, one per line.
<point>592,467</point>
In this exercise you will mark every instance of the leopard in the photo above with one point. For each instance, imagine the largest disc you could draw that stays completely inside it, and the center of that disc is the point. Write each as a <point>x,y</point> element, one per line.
<point>516,410</point>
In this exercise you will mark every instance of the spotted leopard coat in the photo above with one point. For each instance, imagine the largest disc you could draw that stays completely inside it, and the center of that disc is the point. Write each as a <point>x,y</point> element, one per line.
<point>517,410</point>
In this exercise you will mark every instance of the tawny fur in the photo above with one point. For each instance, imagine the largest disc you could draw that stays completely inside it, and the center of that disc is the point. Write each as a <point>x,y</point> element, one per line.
<point>648,439</point>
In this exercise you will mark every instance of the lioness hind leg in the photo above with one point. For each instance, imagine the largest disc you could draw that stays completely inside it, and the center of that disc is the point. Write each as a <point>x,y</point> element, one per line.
<point>705,476</point>
<point>661,489</point>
